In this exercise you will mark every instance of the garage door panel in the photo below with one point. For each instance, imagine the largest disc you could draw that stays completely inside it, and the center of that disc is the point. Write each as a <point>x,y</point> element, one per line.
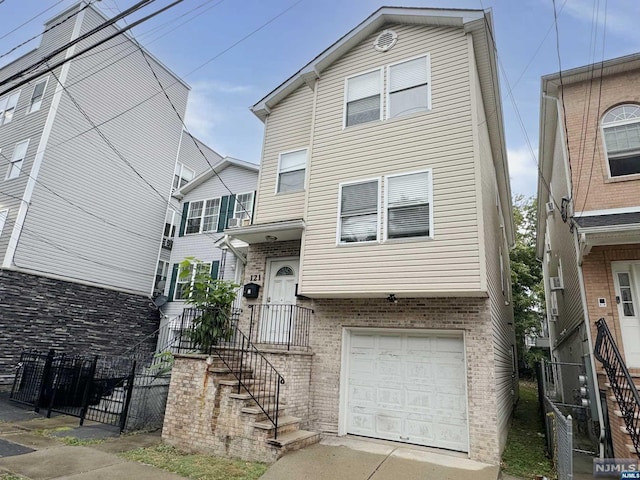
<point>408,387</point>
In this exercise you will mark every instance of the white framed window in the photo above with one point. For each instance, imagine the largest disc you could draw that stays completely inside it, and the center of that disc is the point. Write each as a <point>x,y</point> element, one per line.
<point>203,216</point>
<point>17,159</point>
<point>187,279</point>
<point>292,167</point>
<point>243,208</point>
<point>408,205</point>
<point>182,175</point>
<point>359,211</point>
<point>38,95</point>
<point>621,134</point>
<point>161,276</point>
<point>363,98</point>
<point>170,224</point>
<point>408,87</point>
<point>3,219</point>
<point>8,107</point>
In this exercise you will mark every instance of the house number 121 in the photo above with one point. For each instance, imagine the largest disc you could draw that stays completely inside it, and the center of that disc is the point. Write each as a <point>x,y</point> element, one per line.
<point>254,278</point>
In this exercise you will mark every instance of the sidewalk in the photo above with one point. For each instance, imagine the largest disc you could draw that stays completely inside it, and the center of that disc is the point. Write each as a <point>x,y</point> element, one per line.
<point>25,451</point>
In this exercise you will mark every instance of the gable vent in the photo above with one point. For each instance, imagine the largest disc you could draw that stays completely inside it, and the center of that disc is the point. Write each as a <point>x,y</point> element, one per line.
<point>385,40</point>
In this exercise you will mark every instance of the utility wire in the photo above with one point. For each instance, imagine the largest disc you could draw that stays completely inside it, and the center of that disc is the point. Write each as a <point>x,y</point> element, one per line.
<point>31,19</point>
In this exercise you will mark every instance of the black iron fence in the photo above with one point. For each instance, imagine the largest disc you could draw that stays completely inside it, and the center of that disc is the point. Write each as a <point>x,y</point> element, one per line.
<point>625,391</point>
<point>280,325</point>
<point>90,388</point>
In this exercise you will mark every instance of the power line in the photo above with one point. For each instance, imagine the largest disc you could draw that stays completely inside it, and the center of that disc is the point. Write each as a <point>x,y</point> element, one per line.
<point>31,19</point>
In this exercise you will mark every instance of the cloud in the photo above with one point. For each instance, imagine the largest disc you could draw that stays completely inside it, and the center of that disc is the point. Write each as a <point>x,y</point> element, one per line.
<point>523,171</point>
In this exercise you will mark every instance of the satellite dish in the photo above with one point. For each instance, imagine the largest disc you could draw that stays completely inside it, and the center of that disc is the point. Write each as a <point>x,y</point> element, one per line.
<point>160,286</point>
<point>160,300</point>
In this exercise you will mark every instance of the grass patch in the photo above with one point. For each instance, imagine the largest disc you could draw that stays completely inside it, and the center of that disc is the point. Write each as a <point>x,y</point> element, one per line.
<point>72,441</point>
<point>197,467</point>
<point>525,452</point>
<point>10,476</point>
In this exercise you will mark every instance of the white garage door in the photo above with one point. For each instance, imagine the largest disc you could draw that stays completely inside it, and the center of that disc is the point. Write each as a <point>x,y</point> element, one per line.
<point>408,387</point>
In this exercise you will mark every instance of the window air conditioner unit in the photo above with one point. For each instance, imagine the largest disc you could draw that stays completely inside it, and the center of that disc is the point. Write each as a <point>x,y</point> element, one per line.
<point>233,222</point>
<point>167,243</point>
<point>556,283</point>
<point>554,312</point>
<point>246,222</point>
<point>550,207</point>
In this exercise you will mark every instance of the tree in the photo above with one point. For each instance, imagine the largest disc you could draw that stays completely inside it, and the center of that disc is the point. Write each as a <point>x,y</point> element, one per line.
<point>526,279</point>
<point>212,298</point>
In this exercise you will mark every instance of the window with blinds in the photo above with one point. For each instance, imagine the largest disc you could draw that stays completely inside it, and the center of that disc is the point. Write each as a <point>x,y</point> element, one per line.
<point>38,95</point>
<point>203,216</point>
<point>621,128</point>
<point>408,85</point>
<point>408,205</point>
<point>363,98</point>
<point>8,107</point>
<point>291,171</point>
<point>359,212</point>
<point>17,159</point>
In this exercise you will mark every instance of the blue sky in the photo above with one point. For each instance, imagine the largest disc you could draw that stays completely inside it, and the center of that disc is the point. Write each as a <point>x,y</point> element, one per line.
<point>223,90</point>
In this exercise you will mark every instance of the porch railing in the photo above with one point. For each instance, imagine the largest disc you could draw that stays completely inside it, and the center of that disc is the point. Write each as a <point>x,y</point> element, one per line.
<point>254,373</point>
<point>625,391</point>
<point>280,325</point>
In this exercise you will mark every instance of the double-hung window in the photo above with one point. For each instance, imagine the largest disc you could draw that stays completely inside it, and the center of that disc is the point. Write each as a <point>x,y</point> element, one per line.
<point>291,171</point>
<point>38,95</point>
<point>182,176</point>
<point>363,102</point>
<point>17,159</point>
<point>408,209</point>
<point>184,279</point>
<point>359,212</point>
<point>244,206</point>
<point>8,107</point>
<point>408,87</point>
<point>621,128</point>
<point>203,216</point>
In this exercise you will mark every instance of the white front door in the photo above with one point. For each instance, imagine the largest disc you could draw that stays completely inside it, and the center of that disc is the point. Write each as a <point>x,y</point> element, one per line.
<point>626,277</point>
<point>407,387</point>
<point>278,312</point>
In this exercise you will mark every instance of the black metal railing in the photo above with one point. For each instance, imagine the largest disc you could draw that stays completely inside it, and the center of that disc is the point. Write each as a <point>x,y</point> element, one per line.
<point>254,373</point>
<point>625,391</point>
<point>280,325</point>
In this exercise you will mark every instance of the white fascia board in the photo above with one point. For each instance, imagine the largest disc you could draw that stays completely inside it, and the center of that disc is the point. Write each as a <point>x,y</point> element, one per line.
<point>609,211</point>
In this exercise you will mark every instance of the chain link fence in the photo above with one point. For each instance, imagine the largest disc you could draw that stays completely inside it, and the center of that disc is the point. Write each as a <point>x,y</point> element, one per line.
<point>559,439</point>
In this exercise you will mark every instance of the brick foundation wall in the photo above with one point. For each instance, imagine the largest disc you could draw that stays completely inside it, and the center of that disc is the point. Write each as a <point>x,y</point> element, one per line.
<point>470,315</point>
<point>42,313</point>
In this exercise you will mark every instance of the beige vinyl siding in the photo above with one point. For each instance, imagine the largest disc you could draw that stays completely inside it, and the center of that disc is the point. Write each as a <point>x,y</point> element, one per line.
<point>441,140</point>
<point>501,314</point>
<point>78,164</point>
<point>288,128</point>
<point>570,307</point>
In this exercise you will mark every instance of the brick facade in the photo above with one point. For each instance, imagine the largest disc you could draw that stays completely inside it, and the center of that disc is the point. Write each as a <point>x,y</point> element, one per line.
<point>589,170</point>
<point>42,313</point>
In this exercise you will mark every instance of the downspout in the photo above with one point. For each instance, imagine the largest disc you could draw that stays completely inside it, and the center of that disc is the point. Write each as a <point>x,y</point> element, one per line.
<point>583,294</point>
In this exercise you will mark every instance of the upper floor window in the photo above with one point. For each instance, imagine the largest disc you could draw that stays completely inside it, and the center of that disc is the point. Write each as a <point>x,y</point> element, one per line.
<point>408,205</point>
<point>170,224</point>
<point>3,219</point>
<point>363,102</point>
<point>17,159</point>
<point>182,176</point>
<point>621,129</point>
<point>291,171</point>
<point>8,107</point>
<point>244,206</point>
<point>38,95</point>
<point>203,216</point>
<point>408,87</point>
<point>359,212</point>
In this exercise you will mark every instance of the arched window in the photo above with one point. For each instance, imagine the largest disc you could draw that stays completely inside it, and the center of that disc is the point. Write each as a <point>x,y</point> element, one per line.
<point>621,128</point>
<point>284,272</point>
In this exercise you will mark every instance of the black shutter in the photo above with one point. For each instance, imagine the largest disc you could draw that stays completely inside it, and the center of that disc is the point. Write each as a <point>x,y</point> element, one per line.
<point>183,219</point>
<point>215,266</point>
<point>172,284</point>
<point>222,221</point>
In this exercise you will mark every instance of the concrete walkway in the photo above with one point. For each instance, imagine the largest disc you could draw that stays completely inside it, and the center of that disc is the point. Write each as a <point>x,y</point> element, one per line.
<point>346,458</point>
<point>25,451</point>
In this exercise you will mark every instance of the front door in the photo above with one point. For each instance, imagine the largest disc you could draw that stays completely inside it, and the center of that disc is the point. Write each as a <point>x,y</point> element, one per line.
<point>626,277</point>
<point>277,314</point>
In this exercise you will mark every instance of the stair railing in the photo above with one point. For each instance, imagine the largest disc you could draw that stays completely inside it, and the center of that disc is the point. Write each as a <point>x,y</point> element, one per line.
<point>625,391</point>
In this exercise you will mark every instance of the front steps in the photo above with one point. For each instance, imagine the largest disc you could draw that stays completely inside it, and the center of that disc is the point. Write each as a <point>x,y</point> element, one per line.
<point>621,439</point>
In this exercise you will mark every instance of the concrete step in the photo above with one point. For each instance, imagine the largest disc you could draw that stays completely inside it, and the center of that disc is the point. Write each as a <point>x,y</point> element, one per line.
<point>294,440</point>
<point>625,430</point>
<point>256,410</point>
<point>618,413</point>
<point>283,421</point>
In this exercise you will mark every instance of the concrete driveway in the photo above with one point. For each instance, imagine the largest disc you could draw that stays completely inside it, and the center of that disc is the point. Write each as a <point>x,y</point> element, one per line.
<point>347,458</point>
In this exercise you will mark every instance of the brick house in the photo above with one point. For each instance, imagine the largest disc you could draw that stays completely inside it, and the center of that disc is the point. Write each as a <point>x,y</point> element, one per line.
<point>384,206</point>
<point>589,224</point>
